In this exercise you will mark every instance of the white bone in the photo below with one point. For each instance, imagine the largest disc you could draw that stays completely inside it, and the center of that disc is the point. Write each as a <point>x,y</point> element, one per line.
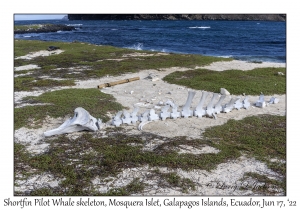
<point>228,107</point>
<point>218,106</point>
<point>223,91</point>
<point>186,112</point>
<point>126,119</point>
<point>140,127</point>
<point>168,102</point>
<point>210,112</point>
<point>238,104</point>
<point>199,111</point>
<point>133,115</point>
<point>164,112</point>
<point>152,115</point>
<point>273,100</point>
<point>117,121</point>
<point>261,101</point>
<point>175,114</point>
<point>144,117</point>
<point>82,120</point>
<point>246,103</point>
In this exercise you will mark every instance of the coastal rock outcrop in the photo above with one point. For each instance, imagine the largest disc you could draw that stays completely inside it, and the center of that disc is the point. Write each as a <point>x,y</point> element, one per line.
<point>42,28</point>
<point>256,17</point>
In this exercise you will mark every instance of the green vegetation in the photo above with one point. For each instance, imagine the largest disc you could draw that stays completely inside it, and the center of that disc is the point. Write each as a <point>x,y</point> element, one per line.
<point>135,186</point>
<point>21,158</point>
<point>30,83</point>
<point>262,137</point>
<point>173,180</point>
<point>84,61</point>
<point>265,185</point>
<point>80,160</point>
<point>237,82</point>
<point>255,61</point>
<point>76,162</point>
<point>61,103</point>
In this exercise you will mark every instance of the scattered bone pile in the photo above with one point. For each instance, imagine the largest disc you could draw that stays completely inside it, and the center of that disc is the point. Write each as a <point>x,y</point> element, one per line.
<point>82,120</point>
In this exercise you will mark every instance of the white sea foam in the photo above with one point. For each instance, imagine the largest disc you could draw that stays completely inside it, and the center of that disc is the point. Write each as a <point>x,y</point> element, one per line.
<point>74,25</point>
<point>138,46</point>
<point>224,56</point>
<point>17,36</point>
<point>202,27</point>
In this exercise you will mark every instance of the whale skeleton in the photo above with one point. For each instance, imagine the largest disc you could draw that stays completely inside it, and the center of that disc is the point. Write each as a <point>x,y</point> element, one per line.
<point>82,120</point>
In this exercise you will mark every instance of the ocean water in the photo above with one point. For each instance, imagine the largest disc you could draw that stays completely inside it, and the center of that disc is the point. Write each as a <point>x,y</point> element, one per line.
<point>242,40</point>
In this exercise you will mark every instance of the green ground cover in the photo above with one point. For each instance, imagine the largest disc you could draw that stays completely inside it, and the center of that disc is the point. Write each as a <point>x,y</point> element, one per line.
<point>81,61</point>
<point>27,83</point>
<point>62,103</point>
<point>237,82</point>
<point>262,137</point>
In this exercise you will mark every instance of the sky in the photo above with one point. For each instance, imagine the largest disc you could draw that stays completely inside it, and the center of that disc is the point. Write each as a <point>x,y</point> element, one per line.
<point>38,16</point>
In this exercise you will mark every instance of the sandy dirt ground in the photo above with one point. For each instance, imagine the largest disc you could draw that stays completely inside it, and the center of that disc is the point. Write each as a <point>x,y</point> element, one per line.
<point>148,94</point>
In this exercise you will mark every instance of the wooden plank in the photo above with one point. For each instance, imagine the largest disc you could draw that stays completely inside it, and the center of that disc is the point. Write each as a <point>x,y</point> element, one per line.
<point>118,82</point>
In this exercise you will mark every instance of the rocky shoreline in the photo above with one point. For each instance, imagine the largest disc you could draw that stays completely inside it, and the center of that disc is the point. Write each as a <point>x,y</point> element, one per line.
<point>242,17</point>
<point>43,28</point>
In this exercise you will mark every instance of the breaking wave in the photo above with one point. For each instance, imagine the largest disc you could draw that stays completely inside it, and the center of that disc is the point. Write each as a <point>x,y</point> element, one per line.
<point>74,25</point>
<point>138,46</point>
<point>202,27</point>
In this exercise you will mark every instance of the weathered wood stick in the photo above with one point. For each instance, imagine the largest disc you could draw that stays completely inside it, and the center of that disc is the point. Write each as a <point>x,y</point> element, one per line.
<point>118,82</point>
